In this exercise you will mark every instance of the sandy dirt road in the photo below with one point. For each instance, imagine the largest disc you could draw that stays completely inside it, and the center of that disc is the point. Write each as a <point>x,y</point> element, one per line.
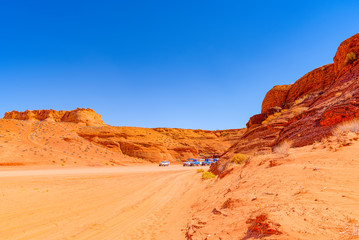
<point>144,202</point>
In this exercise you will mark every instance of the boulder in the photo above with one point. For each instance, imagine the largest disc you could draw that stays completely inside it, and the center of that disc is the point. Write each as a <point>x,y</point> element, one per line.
<point>276,97</point>
<point>256,120</point>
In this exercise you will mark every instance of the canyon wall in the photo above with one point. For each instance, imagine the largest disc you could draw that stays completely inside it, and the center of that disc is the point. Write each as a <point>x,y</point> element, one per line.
<point>308,109</point>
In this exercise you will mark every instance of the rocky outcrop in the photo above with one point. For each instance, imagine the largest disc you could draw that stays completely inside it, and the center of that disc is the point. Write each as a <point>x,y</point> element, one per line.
<point>312,106</point>
<point>316,80</point>
<point>80,115</point>
<point>256,120</point>
<point>347,55</point>
<point>283,95</point>
<point>276,97</point>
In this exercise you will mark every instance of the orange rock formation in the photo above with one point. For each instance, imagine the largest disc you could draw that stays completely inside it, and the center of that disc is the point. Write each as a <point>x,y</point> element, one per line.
<point>317,80</point>
<point>79,115</point>
<point>347,55</point>
<point>54,138</point>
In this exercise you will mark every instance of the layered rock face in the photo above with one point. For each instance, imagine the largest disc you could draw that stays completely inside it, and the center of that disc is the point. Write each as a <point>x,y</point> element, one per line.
<point>159,144</point>
<point>317,80</point>
<point>309,108</point>
<point>80,115</point>
<point>135,144</point>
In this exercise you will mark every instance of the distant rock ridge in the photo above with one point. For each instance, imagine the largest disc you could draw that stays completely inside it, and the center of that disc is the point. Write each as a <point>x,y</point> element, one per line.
<point>85,116</point>
<point>127,144</point>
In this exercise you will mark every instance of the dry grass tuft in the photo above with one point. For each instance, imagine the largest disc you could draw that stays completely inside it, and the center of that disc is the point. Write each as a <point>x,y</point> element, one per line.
<point>283,148</point>
<point>348,126</point>
<point>350,232</point>
<point>300,100</point>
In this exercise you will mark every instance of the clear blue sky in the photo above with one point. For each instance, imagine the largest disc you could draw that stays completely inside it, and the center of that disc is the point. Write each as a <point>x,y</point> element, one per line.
<point>186,64</point>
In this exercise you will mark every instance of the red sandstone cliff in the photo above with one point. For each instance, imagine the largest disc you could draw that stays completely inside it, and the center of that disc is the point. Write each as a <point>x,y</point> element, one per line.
<point>308,109</point>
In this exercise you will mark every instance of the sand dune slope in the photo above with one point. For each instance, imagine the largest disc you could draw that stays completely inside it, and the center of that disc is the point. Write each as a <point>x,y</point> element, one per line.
<point>312,193</point>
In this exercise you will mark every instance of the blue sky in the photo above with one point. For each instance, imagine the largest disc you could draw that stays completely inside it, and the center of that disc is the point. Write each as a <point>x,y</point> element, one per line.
<point>186,64</point>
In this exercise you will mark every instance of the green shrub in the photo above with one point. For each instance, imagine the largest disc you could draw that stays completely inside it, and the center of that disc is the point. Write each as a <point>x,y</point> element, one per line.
<point>208,175</point>
<point>351,57</point>
<point>200,170</point>
<point>239,158</point>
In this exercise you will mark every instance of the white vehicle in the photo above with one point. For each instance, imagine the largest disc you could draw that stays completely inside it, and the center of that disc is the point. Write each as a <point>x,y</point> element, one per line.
<point>164,163</point>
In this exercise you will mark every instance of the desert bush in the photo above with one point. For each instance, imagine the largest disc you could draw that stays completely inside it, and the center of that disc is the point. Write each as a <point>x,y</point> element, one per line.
<point>283,148</point>
<point>299,110</point>
<point>268,119</point>
<point>350,126</point>
<point>277,114</point>
<point>239,158</point>
<point>200,170</point>
<point>208,175</point>
<point>300,100</point>
<point>338,94</point>
<point>351,57</point>
<point>223,134</point>
<point>274,116</point>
